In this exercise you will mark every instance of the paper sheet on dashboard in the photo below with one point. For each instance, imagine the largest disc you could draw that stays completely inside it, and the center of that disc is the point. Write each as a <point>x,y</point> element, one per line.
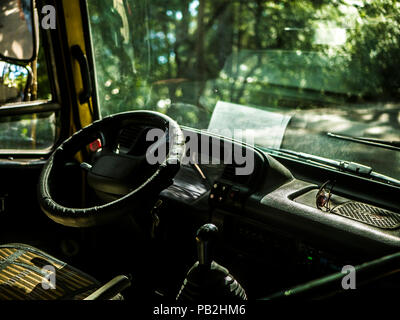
<point>257,126</point>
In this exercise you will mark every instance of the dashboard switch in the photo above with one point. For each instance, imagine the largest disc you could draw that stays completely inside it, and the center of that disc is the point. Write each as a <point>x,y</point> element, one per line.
<point>95,145</point>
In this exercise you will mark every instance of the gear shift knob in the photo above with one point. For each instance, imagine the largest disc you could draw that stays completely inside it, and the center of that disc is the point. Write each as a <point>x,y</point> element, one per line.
<point>205,237</point>
<point>207,279</point>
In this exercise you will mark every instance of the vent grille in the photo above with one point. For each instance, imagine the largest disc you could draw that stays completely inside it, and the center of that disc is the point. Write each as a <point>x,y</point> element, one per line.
<point>128,136</point>
<point>368,214</point>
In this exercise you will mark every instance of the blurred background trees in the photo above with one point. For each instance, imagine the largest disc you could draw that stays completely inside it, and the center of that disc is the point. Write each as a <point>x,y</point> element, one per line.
<point>181,56</point>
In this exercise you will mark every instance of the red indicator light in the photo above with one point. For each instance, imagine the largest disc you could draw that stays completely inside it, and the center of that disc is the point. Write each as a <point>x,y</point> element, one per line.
<point>95,145</point>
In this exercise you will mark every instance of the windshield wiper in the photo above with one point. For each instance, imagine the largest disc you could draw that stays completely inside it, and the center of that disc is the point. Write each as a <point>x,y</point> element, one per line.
<point>386,144</point>
<point>342,165</point>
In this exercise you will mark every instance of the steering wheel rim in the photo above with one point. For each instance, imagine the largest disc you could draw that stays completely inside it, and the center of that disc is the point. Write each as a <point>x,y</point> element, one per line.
<point>101,214</point>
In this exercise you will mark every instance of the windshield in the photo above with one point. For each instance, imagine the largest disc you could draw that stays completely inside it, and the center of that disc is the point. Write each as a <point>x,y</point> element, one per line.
<point>286,72</point>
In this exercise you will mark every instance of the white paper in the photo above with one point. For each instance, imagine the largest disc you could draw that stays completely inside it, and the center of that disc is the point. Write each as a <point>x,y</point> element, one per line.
<point>264,128</point>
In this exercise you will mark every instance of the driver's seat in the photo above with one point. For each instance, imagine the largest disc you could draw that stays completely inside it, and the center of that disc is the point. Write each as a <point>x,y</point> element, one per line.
<point>27,273</point>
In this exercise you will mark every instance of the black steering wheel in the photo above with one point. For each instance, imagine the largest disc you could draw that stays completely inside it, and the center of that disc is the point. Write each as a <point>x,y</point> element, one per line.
<point>118,170</point>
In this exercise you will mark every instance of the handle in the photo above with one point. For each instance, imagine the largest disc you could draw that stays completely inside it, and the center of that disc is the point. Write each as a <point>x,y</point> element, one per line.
<point>110,289</point>
<point>78,54</point>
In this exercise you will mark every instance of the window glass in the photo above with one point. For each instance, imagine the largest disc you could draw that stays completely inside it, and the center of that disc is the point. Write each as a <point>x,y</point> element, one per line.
<point>25,132</point>
<point>43,82</point>
<point>290,71</point>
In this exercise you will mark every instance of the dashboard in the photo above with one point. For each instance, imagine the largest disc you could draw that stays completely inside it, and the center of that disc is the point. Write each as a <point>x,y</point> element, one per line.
<point>227,178</point>
<point>269,219</point>
<point>273,235</point>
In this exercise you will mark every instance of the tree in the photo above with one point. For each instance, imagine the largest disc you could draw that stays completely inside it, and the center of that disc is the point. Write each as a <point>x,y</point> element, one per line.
<point>180,57</point>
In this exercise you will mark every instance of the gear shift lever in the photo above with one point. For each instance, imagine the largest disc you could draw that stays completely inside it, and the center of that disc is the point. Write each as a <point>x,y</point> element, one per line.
<point>205,237</point>
<point>207,279</point>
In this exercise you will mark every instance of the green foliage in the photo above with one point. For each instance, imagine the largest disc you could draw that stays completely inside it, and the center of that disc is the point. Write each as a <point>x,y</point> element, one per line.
<point>13,79</point>
<point>374,47</point>
<point>43,87</point>
<point>32,131</point>
<point>181,57</point>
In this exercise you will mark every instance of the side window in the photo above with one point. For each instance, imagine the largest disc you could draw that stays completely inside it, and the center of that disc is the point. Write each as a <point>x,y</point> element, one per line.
<point>24,84</point>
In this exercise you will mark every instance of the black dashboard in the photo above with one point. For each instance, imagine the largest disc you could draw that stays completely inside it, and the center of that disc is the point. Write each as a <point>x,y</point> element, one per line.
<point>269,219</point>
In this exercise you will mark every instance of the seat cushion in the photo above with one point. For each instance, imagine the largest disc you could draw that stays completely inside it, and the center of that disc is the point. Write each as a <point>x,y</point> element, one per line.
<point>27,273</point>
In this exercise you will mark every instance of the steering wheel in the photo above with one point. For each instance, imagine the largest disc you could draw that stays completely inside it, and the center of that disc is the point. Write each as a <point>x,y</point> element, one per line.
<point>119,169</point>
